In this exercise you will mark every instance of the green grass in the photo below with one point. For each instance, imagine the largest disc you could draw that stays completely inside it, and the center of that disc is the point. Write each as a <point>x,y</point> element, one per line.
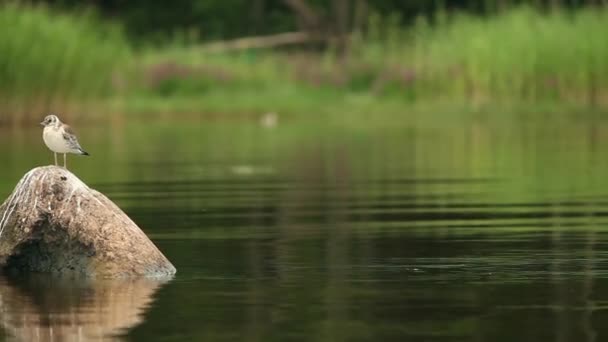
<point>55,62</point>
<point>520,59</point>
<point>561,56</point>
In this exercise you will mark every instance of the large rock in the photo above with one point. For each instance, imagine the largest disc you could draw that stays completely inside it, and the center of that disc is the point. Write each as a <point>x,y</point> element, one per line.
<point>53,222</point>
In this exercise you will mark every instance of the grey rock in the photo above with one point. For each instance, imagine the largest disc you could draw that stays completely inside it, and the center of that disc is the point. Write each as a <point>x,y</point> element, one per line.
<point>55,223</point>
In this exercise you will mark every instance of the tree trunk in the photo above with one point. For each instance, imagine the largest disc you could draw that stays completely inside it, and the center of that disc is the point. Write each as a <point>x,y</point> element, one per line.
<point>555,4</point>
<point>341,9</point>
<point>360,16</point>
<point>257,15</point>
<point>308,18</point>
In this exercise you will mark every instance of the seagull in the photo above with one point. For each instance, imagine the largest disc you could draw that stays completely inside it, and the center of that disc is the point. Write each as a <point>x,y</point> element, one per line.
<point>60,138</point>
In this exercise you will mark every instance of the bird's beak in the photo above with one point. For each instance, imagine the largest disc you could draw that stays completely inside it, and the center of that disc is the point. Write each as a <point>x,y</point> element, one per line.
<point>42,123</point>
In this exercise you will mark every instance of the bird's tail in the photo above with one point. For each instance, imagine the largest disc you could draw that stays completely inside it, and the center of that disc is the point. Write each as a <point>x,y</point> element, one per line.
<point>84,153</point>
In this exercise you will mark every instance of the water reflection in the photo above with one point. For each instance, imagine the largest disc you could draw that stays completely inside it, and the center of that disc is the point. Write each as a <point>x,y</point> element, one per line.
<point>43,308</point>
<point>479,232</point>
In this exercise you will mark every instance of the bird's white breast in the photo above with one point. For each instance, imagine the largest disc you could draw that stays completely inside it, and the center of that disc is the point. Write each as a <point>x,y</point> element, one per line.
<point>53,138</point>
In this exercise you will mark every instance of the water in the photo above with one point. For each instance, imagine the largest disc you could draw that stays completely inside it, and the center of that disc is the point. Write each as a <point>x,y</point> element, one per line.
<point>471,231</point>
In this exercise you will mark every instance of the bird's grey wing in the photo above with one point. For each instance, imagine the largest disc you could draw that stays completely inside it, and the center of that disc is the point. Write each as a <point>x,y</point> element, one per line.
<point>70,137</point>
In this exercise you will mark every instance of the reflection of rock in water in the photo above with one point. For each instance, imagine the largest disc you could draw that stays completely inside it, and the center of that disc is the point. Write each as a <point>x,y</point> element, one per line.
<point>52,309</point>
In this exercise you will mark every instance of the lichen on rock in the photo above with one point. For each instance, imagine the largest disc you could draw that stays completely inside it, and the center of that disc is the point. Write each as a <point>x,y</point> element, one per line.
<point>53,222</point>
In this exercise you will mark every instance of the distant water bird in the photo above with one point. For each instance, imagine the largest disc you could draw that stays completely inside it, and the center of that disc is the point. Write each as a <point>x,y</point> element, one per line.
<point>60,138</point>
<point>269,120</point>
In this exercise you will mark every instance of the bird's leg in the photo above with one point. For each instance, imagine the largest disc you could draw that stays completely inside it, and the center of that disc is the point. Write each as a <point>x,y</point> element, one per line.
<point>65,164</point>
<point>55,153</point>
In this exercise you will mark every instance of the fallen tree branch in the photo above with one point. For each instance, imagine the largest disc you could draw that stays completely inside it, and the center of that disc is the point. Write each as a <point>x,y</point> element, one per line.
<point>260,42</point>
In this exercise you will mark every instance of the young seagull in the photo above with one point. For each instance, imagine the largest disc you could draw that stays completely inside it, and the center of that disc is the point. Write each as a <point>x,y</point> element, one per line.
<point>60,138</point>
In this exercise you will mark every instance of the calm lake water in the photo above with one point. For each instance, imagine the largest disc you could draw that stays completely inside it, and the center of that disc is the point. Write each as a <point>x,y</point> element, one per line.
<point>465,231</point>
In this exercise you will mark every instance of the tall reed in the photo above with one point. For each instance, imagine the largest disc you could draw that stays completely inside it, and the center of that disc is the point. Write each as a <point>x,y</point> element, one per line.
<point>522,54</point>
<point>54,62</point>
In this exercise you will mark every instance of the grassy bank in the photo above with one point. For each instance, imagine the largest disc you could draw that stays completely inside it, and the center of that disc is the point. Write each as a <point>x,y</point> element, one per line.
<point>518,59</point>
<point>521,55</point>
<point>55,62</point>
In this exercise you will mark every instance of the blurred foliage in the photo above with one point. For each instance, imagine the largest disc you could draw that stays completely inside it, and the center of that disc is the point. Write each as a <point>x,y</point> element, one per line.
<point>519,57</point>
<point>51,60</point>
<point>519,54</point>
<point>59,55</point>
<point>159,20</point>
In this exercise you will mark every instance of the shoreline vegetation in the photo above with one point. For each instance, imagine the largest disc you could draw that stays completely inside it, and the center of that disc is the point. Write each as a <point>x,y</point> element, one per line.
<point>55,62</point>
<point>516,59</point>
